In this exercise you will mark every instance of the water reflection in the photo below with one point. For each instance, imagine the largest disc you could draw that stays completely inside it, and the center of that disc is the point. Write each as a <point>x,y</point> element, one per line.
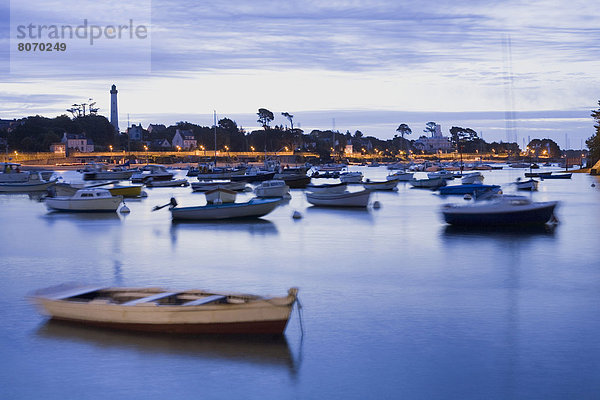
<point>35,196</point>
<point>53,216</point>
<point>259,226</point>
<point>260,350</point>
<point>357,214</point>
<point>498,231</point>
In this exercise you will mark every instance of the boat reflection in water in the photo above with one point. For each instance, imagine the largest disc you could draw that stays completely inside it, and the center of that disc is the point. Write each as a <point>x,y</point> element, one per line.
<point>265,351</point>
<point>357,214</point>
<point>499,231</point>
<point>258,226</point>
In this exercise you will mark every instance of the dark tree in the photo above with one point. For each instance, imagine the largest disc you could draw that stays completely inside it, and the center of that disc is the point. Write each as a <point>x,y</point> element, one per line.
<point>593,143</point>
<point>430,128</point>
<point>265,117</point>
<point>290,118</point>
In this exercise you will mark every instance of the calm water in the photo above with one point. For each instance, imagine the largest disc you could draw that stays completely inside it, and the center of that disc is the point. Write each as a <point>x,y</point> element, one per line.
<point>395,304</point>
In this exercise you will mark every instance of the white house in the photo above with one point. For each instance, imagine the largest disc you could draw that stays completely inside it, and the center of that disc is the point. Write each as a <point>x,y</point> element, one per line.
<point>184,139</point>
<point>78,142</point>
<point>135,132</point>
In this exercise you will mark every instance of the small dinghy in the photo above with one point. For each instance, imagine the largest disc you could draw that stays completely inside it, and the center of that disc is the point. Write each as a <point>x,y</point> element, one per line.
<point>167,311</point>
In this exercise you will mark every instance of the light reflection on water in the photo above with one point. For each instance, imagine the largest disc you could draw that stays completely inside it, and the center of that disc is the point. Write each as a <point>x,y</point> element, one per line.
<point>396,303</point>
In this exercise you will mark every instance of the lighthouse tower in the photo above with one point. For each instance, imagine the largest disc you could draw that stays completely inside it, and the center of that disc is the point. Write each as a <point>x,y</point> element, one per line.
<point>114,114</point>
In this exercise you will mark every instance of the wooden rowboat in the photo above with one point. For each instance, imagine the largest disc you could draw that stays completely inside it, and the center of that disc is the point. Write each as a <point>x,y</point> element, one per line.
<point>159,310</point>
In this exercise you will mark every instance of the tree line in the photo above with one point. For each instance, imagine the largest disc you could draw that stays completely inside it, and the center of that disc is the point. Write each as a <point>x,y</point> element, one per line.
<point>38,133</point>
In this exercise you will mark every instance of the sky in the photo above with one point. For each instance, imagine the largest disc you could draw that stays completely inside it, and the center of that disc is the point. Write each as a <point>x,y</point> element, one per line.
<point>344,64</point>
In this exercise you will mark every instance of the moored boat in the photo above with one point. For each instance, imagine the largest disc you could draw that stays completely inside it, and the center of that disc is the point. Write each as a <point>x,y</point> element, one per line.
<point>294,181</point>
<point>273,188</point>
<point>530,184</point>
<point>85,200</point>
<point>172,183</point>
<point>471,178</point>
<point>351,177</point>
<point>380,185</point>
<point>255,176</point>
<point>167,311</point>
<point>254,208</point>
<point>220,196</point>
<point>557,176</point>
<point>69,189</point>
<point>428,183</point>
<point>401,176</point>
<point>473,189</point>
<point>204,186</point>
<point>34,183</point>
<point>100,172</point>
<point>327,188</point>
<point>502,211</point>
<point>11,173</point>
<point>154,171</point>
<point>346,199</point>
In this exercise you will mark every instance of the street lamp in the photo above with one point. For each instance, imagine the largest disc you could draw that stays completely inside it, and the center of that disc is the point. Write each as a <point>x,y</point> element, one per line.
<point>146,149</point>
<point>110,147</point>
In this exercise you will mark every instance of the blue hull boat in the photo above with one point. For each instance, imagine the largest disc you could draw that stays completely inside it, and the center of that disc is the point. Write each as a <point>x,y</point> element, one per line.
<point>506,211</point>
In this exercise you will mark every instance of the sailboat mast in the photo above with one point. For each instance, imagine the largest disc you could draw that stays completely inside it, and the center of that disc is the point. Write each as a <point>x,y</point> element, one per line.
<point>215,125</point>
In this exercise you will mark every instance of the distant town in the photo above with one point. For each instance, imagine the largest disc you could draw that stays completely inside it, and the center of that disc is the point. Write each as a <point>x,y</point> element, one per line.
<point>86,134</point>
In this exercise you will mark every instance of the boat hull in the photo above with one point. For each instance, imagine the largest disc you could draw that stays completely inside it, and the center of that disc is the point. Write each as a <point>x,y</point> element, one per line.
<point>255,315</point>
<point>26,187</point>
<point>430,183</point>
<point>232,328</point>
<point>205,186</point>
<point>251,209</point>
<point>84,205</point>
<point>387,185</point>
<point>107,175</point>
<point>474,189</point>
<point>171,183</point>
<point>354,199</point>
<point>518,216</point>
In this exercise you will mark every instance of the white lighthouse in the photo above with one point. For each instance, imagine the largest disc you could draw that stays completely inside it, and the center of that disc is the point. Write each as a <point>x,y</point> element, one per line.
<point>114,114</point>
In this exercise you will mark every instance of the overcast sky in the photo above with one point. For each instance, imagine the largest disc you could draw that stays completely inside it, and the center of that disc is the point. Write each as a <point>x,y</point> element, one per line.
<point>367,65</point>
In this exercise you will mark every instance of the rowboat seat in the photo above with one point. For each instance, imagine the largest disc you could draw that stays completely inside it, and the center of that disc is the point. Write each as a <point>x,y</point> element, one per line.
<point>205,300</point>
<point>148,299</point>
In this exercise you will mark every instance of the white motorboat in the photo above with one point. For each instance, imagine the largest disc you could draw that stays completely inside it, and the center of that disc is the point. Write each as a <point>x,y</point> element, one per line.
<point>204,186</point>
<point>11,173</point>
<point>220,196</point>
<point>502,210</point>
<point>150,182</point>
<point>401,176</point>
<point>444,174</point>
<point>428,183</point>
<point>154,171</point>
<point>346,199</point>
<point>167,311</point>
<point>273,188</point>
<point>254,208</point>
<point>351,177</point>
<point>380,185</point>
<point>472,178</point>
<point>34,183</point>
<point>96,171</point>
<point>327,188</point>
<point>530,184</point>
<point>90,199</point>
